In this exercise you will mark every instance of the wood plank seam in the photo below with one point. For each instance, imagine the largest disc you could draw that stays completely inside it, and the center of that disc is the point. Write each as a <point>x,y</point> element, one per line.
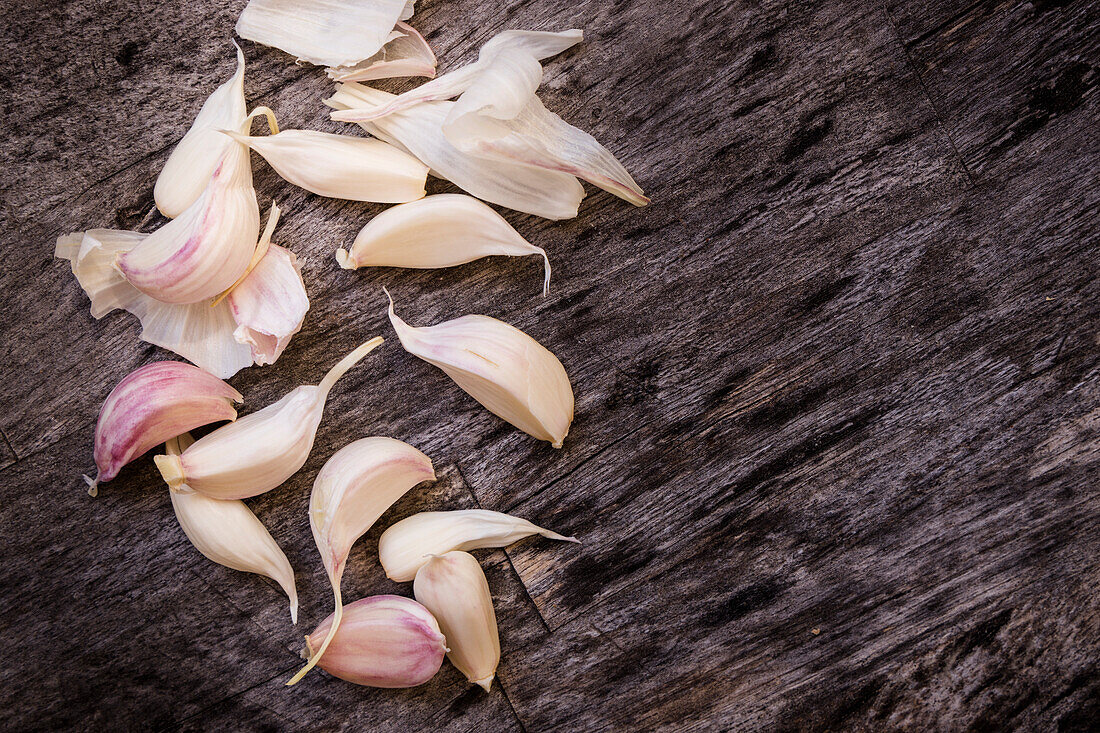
<point>229,601</point>
<point>11,448</point>
<point>284,672</point>
<point>507,699</point>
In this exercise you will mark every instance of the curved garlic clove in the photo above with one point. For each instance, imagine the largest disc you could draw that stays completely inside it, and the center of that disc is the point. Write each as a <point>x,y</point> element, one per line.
<point>330,33</point>
<point>454,589</point>
<point>195,157</point>
<point>513,376</point>
<point>263,449</point>
<point>438,231</point>
<point>270,305</point>
<point>384,641</point>
<point>152,404</point>
<point>341,166</point>
<point>407,545</point>
<point>200,254</point>
<point>228,533</point>
<point>353,489</point>
<point>407,55</point>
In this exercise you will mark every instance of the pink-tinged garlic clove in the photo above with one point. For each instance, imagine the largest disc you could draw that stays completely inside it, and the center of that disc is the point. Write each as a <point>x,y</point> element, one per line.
<point>153,404</point>
<point>270,305</point>
<point>384,641</point>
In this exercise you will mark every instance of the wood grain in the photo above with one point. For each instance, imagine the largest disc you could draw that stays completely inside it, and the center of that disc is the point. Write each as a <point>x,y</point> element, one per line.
<point>834,462</point>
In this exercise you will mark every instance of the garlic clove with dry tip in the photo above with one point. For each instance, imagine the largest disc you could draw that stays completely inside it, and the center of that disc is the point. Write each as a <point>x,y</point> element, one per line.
<point>152,404</point>
<point>228,533</point>
<point>351,491</point>
<point>407,545</point>
<point>513,376</point>
<point>384,641</point>
<point>264,449</point>
<point>453,587</point>
<point>437,231</point>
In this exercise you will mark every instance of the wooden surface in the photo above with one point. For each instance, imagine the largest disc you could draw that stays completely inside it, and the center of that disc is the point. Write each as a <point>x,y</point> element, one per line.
<point>835,459</point>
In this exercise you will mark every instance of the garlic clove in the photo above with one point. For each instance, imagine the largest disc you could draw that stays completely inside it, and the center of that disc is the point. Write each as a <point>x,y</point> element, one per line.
<point>407,55</point>
<point>228,533</point>
<point>438,231</point>
<point>419,130</point>
<point>195,157</point>
<point>407,545</point>
<point>384,641</point>
<point>152,404</point>
<point>325,32</point>
<point>341,166</point>
<point>513,376</point>
<point>352,490</point>
<point>202,252</point>
<point>453,587</point>
<point>264,449</point>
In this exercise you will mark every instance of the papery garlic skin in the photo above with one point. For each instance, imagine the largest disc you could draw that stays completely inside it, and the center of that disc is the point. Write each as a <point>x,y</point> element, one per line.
<point>513,376</point>
<point>407,55</point>
<point>454,589</point>
<point>383,641</point>
<point>152,404</point>
<point>323,32</point>
<point>407,545</point>
<point>437,231</point>
<point>341,166</point>
<point>203,252</point>
<point>355,487</point>
<point>269,305</point>
<point>264,449</point>
<point>195,157</point>
<point>195,331</point>
<point>228,533</point>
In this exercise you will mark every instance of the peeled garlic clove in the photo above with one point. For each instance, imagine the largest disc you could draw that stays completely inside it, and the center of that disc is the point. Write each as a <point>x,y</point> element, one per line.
<point>152,404</point>
<point>407,55</point>
<point>351,492</point>
<point>407,545</point>
<point>263,449</point>
<point>454,589</point>
<point>513,376</point>
<point>341,166</point>
<point>228,533</point>
<point>200,254</point>
<point>329,33</point>
<point>384,641</point>
<point>438,231</point>
<point>194,159</point>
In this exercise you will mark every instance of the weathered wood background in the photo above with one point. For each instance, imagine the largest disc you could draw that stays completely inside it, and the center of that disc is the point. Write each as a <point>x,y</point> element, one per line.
<point>835,461</point>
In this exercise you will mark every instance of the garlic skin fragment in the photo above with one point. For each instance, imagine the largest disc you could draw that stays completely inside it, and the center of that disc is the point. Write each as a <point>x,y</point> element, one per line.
<point>407,545</point>
<point>438,231</point>
<point>454,589</point>
<point>407,55</point>
<point>152,404</point>
<point>269,305</point>
<point>384,641</point>
<point>203,252</point>
<point>352,490</point>
<point>341,166</point>
<point>228,533</point>
<point>195,157</point>
<point>263,449</point>
<point>323,32</point>
<point>513,376</point>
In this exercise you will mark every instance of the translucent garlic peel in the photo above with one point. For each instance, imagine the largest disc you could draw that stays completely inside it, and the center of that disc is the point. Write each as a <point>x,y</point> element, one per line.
<point>355,487</point>
<point>508,372</point>
<point>195,157</point>
<point>228,533</point>
<point>152,404</point>
<point>266,447</point>
<point>383,641</point>
<point>322,32</point>
<point>407,545</point>
<point>407,55</point>
<point>453,587</point>
<point>341,166</point>
<point>437,231</point>
<point>269,305</point>
<point>419,130</point>
<point>202,252</point>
